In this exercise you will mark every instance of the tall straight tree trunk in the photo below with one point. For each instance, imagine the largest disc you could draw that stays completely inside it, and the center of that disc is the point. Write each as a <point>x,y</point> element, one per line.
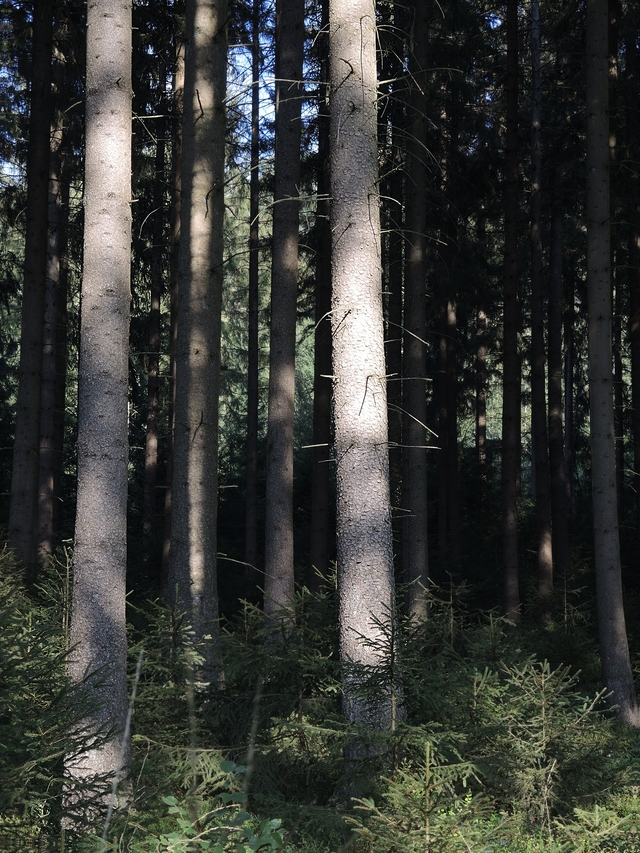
<point>251,498</point>
<point>569,383</point>
<point>538,397</point>
<point>23,505</point>
<point>174,276</point>
<point>98,639</point>
<point>193,557</point>
<point>320,482</point>
<point>153,354</point>
<point>55,337</point>
<point>614,647</point>
<point>559,510</point>
<point>279,582</point>
<point>481,382</point>
<point>414,400</point>
<point>633,130</point>
<point>364,537</point>
<point>453,480</point>
<point>511,357</point>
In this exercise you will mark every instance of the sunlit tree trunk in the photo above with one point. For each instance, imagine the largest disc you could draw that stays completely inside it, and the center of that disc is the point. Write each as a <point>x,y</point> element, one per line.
<point>364,539</point>
<point>511,356</point>
<point>279,583</point>
<point>192,583</point>
<point>98,640</point>
<point>23,507</point>
<point>614,647</point>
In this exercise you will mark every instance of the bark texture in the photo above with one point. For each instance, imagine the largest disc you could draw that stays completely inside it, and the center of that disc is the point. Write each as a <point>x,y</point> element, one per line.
<point>614,647</point>
<point>24,477</point>
<point>511,356</point>
<point>192,584</point>
<point>364,540</point>
<point>279,584</point>
<point>98,642</point>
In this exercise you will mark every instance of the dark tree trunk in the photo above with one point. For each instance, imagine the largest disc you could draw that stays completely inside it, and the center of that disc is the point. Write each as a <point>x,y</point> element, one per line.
<point>569,383</point>
<point>251,499</point>
<point>614,648</point>
<point>279,582</point>
<point>174,274</point>
<point>23,508</point>
<point>414,399</point>
<point>559,510</point>
<point>153,354</point>
<point>633,129</point>
<point>538,397</point>
<point>511,356</point>
<point>320,483</point>
<point>55,333</point>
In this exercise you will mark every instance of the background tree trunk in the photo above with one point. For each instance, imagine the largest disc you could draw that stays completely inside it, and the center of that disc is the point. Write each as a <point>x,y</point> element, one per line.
<point>614,648</point>
<point>538,397</point>
<point>98,640</point>
<point>511,357</point>
<point>279,581</point>
<point>414,399</point>
<point>55,330</point>
<point>251,494</point>
<point>23,508</point>
<point>193,556</point>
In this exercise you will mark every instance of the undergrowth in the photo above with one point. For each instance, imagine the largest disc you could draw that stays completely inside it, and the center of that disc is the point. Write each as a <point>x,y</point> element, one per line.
<point>502,740</point>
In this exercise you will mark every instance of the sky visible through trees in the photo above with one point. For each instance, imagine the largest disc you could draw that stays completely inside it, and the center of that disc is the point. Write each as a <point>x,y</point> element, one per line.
<point>370,344</point>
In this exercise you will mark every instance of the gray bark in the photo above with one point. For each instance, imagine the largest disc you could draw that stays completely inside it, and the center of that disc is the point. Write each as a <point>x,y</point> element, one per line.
<point>192,583</point>
<point>24,477</point>
<point>364,540</point>
<point>614,647</point>
<point>98,643</point>
<point>279,585</point>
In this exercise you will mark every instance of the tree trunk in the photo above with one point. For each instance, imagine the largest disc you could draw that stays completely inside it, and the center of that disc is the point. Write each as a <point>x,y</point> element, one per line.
<point>279,582</point>
<point>23,506</point>
<point>633,130</point>
<point>569,382</point>
<point>251,497</point>
<point>193,556</point>
<point>55,333</point>
<point>511,357</point>
<point>153,355</point>
<point>364,538</point>
<point>614,648</point>
<point>559,509</point>
<point>414,401</point>
<point>174,276</point>
<point>538,397</point>
<point>320,482</point>
<point>98,640</point>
